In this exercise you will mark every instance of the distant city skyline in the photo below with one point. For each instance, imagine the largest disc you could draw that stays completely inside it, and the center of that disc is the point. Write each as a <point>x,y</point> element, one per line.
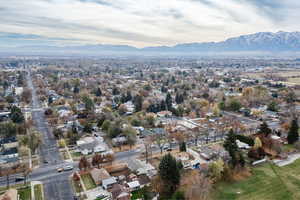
<point>140,23</point>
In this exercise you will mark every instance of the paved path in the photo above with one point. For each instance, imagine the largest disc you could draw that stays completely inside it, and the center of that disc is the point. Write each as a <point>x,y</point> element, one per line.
<point>289,160</point>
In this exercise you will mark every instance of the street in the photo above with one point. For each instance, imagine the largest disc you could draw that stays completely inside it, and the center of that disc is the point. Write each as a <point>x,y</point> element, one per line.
<point>56,186</point>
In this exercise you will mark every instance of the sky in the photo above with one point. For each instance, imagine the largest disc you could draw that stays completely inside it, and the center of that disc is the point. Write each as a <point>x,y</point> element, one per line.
<point>140,23</point>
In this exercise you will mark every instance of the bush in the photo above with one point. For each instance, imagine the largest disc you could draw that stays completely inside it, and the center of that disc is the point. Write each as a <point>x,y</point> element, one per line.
<point>182,146</point>
<point>297,145</point>
<point>105,126</point>
<point>61,143</point>
<point>178,195</point>
<point>245,139</point>
<point>273,106</point>
<point>234,105</point>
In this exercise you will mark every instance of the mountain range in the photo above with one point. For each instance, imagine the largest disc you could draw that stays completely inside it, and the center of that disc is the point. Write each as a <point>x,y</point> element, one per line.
<point>263,42</point>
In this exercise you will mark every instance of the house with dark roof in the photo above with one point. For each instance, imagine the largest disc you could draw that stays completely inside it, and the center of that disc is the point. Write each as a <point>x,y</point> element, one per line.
<point>9,155</point>
<point>120,192</point>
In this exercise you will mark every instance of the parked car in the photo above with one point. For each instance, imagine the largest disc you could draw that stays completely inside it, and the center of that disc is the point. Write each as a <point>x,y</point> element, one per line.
<point>20,178</point>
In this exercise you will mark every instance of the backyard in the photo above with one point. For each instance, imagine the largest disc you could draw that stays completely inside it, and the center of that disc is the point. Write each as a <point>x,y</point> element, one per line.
<point>88,181</point>
<point>25,193</point>
<point>268,182</point>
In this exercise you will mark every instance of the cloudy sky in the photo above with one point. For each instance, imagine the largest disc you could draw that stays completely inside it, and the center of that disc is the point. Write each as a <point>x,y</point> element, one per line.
<point>140,22</point>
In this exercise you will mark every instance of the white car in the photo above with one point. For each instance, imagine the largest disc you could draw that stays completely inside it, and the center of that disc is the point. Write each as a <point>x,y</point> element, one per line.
<point>68,167</point>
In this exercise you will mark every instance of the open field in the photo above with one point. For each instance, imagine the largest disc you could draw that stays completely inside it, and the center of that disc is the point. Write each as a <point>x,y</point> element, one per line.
<point>284,74</point>
<point>268,182</point>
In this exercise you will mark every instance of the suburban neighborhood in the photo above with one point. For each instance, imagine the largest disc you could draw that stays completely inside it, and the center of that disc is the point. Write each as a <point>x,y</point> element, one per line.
<point>150,129</point>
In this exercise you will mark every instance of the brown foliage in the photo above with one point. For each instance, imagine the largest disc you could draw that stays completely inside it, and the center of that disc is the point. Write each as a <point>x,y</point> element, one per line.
<point>197,186</point>
<point>84,164</point>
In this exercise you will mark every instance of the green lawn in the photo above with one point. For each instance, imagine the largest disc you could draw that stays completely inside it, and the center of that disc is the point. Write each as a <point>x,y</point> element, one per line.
<point>268,182</point>
<point>75,154</point>
<point>38,192</point>
<point>142,193</point>
<point>25,193</point>
<point>288,147</point>
<point>137,195</point>
<point>88,181</point>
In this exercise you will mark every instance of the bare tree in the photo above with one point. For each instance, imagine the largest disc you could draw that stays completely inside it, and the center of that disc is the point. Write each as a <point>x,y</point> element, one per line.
<point>147,145</point>
<point>97,160</point>
<point>160,141</point>
<point>25,171</point>
<point>198,186</point>
<point>84,164</point>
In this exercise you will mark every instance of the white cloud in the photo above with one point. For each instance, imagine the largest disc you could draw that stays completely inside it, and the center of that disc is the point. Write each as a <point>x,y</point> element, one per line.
<point>144,22</point>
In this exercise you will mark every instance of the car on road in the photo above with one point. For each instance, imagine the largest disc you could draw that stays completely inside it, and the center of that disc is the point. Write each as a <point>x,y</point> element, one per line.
<point>20,178</point>
<point>68,167</point>
<point>60,169</point>
<point>166,147</point>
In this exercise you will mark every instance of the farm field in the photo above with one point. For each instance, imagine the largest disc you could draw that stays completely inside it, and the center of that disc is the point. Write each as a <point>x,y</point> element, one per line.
<point>268,182</point>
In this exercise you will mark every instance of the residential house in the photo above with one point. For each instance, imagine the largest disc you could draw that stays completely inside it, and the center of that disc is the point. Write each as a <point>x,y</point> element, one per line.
<point>109,182</point>
<point>98,175</point>
<point>9,155</point>
<point>141,167</point>
<point>89,145</point>
<point>120,192</point>
<point>134,185</point>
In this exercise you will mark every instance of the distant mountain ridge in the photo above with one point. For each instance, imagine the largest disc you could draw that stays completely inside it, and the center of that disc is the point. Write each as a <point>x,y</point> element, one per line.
<point>261,41</point>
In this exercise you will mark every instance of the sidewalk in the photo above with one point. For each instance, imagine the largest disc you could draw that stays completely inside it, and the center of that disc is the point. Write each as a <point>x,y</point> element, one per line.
<point>289,160</point>
<point>32,184</point>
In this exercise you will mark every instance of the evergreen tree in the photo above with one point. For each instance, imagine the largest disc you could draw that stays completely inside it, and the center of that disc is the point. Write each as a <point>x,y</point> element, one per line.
<point>169,173</point>
<point>293,134</point>
<point>123,98</point>
<point>98,92</point>
<point>182,146</point>
<point>163,89</point>
<point>231,146</point>
<point>115,91</point>
<point>50,100</point>
<point>76,89</point>
<point>169,101</point>
<point>16,115</point>
<point>138,102</point>
<point>179,98</point>
<point>264,129</point>
<point>163,105</point>
<point>89,104</point>
<point>128,96</point>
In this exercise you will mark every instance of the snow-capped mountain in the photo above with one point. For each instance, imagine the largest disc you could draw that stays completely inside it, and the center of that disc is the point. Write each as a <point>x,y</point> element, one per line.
<point>280,41</point>
<point>262,41</point>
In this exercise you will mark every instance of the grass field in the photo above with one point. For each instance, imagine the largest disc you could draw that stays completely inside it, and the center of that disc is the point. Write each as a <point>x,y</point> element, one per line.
<point>25,193</point>
<point>38,192</point>
<point>268,182</point>
<point>88,181</point>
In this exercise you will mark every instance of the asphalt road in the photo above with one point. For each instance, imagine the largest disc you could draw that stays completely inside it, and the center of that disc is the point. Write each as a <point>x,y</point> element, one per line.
<point>56,187</point>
